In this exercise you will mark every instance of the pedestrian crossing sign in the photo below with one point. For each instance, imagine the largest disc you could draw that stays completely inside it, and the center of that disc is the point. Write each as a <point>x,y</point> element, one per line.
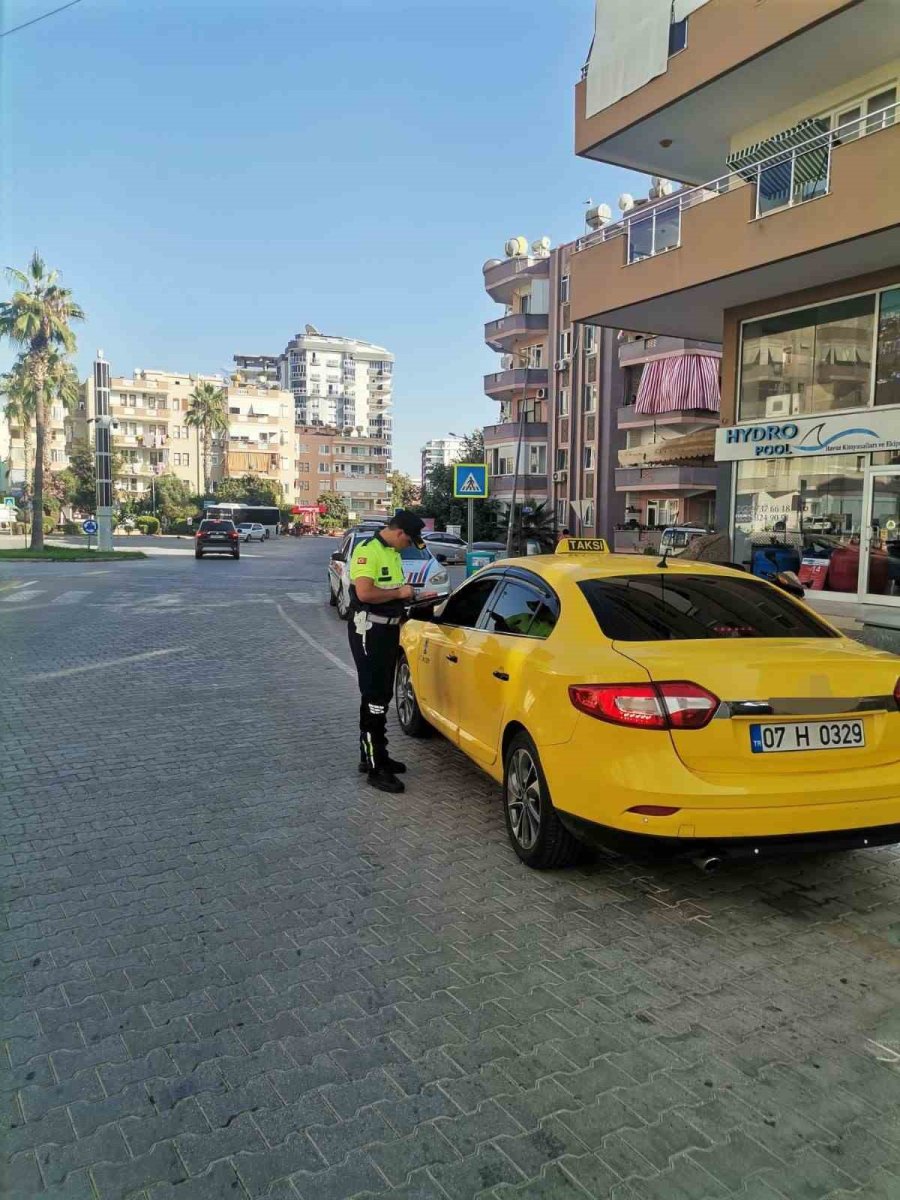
<point>470,481</point>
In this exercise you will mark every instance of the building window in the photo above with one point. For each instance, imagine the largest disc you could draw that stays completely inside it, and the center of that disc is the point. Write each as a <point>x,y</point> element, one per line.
<point>536,356</point>
<point>589,397</point>
<point>324,449</point>
<point>565,343</point>
<point>562,508</point>
<point>816,360</point>
<point>303,468</point>
<point>562,402</point>
<point>589,458</point>
<point>537,460</point>
<point>324,468</point>
<point>562,458</point>
<point>678,36</point>
<point>564,289</point>
<point>302,485</point>
<point>590,338</point>
<point>588,513</point>
<point>887,373</point>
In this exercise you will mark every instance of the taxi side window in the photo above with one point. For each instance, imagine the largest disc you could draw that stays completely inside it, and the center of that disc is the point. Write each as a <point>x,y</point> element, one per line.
<point>464,607</point>
<point>521,610</point>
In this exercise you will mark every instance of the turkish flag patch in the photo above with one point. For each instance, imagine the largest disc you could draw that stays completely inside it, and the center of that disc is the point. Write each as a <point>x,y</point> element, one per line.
<point>361,562</point>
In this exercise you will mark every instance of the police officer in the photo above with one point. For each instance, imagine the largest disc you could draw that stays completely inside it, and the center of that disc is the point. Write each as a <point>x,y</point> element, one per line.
<point>378,595</point>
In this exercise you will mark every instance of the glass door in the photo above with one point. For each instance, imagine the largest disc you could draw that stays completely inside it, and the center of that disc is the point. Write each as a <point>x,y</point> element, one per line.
<point>879,576</point>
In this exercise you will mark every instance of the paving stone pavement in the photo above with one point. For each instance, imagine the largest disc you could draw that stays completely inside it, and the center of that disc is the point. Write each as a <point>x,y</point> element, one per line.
<point>230,970</point>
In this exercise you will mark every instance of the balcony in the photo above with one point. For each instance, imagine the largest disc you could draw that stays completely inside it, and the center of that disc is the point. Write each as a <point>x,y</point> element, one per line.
<point>739,239</point>
<point>502,278</point>
<point>509,432</point>
<point>509,331</point>
<point>533,486</point>
<point>628,417</point>
<point>520,379</point>
<point>666,479</point>
<point>744,63</point>
<point>643,349</point>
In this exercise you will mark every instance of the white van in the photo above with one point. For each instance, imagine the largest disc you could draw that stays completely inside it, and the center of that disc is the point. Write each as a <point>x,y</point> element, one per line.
<point>677,538</point>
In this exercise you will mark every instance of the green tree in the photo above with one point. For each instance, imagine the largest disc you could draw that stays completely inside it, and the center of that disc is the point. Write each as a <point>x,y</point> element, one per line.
<point>37,318</point>
<point>79,481</point>
<point>533,522</point>
<point>472,449</point>
<point>19,409</point>
<point>336,515</point>
<point>173,499</point>
<point>404,492</point>
<point>253,489</point>
<point>208,414</point>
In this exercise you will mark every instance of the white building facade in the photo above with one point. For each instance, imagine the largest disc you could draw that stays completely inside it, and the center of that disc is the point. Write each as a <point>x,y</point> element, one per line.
<point>439,452</point>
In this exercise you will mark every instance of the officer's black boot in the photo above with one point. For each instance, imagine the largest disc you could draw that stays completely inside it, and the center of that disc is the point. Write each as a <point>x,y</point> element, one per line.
<point>395,768</point>
<point>385,780</point>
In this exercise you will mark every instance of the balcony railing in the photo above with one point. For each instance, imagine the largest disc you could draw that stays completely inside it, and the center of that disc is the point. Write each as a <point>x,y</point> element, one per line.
<point>514,325</point>
<point>516,377</point>
<point>782,180</point>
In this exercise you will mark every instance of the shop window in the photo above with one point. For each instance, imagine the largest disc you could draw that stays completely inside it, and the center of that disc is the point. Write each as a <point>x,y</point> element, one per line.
<point>810,507</point>
<point>817,360</point>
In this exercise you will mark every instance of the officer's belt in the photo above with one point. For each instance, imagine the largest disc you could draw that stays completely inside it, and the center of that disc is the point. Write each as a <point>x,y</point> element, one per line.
<point>379,620</point>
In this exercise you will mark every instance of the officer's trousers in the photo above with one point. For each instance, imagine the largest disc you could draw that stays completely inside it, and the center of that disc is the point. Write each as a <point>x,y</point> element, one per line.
<point>375,654</point>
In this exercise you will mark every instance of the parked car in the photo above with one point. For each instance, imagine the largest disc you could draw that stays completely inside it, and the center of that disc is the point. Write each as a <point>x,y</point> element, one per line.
<point>217,537</point>
<point>446,547</point>
<point>421,568</point>
<point>251,531</point>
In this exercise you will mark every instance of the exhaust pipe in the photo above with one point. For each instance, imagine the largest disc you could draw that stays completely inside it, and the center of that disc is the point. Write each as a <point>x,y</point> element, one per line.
<point>709,864</point>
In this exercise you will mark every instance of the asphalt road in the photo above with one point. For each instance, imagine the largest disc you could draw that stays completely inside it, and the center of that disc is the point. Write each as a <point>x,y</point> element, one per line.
<point>231,970</point>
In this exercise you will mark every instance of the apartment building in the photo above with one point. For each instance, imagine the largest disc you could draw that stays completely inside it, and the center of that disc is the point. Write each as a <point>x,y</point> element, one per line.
<point>783,242</point>
<point>17,458</point>
<point>439,452</point>
<point>353,466</point>
<point>153,437</point>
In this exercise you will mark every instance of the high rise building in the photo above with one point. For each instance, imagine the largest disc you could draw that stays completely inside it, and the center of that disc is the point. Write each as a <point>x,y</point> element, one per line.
<point>783,244</point>
<point>439,452</point>
<point>349,464</point>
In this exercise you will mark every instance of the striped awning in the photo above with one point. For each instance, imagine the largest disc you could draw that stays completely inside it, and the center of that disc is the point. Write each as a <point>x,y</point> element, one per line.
<point>809,166</point>
<point>678,384</point>
<point>699,444</point>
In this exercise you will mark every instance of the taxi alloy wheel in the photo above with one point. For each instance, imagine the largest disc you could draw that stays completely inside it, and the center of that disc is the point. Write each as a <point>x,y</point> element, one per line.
<point>342,606</point>
<point>332,600</point>
<point>537,835</point>
<point>408,712</point>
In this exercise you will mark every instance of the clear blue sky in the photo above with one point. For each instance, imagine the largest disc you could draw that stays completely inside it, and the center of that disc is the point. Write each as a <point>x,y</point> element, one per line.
<point>209,176</point>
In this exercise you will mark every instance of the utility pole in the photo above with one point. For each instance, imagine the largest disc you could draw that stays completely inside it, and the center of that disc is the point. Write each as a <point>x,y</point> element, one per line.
<point>102,453</point>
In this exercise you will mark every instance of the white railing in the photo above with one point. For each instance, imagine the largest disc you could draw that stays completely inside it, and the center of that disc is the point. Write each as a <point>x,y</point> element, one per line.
<point>782,180</point>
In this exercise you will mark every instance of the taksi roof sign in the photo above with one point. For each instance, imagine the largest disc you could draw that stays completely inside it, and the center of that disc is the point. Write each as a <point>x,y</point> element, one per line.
<point>801,437</point>
<point>470,481</point>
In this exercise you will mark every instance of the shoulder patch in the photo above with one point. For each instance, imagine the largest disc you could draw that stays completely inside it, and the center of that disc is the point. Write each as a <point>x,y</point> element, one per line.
<point>360,560</point>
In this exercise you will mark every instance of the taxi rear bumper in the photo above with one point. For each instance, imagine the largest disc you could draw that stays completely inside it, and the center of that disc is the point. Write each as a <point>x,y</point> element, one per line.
<point>729,849</point>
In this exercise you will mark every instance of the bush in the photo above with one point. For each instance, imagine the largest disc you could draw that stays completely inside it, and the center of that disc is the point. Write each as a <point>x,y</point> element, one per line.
<point>182,527</point>
<point>49,524</point>
<point>72,527</point>
<point>147,524</point>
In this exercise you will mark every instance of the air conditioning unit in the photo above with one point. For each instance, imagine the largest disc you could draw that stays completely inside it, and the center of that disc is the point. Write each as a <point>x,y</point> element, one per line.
<point>542,393</point>
<point>562,363</point>
<point>560,476</point>
<point>785,405</point>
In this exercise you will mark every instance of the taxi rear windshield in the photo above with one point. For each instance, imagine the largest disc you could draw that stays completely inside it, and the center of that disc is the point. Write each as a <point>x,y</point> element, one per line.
<point>676,607</point>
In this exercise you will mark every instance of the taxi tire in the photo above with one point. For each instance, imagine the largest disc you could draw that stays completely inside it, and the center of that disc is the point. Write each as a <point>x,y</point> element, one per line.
<point>554,846</point>
<point>342,608</point>
<point>332,599</point>
<point>416,726</point>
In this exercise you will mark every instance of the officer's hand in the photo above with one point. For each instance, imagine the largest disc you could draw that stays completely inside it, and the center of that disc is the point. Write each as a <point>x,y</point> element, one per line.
<point>407,592</point>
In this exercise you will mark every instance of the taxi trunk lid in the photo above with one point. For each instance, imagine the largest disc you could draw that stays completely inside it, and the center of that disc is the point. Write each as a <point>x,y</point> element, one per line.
<point>779,680</point>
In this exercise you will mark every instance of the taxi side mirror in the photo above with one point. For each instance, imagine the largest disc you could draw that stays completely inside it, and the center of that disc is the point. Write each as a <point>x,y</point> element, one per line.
<point>790,583</point>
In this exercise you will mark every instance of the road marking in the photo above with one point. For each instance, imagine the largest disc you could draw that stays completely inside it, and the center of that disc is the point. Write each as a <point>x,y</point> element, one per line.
<point>22,595</point>
<point>303,597</point>
<point>70,597</point>
<point>100,666</point>
<point>332,658</point>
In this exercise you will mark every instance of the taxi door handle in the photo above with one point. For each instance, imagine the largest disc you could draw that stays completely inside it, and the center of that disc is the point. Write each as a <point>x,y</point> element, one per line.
<point>501,675</point>
<point>452,658</point>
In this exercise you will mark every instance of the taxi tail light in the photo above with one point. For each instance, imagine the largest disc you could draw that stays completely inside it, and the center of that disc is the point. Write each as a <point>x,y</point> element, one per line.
<point>678,705</point>
<point>897,693</point>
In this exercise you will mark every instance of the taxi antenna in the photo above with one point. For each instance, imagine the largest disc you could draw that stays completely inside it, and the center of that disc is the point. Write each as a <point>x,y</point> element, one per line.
<point>662,562</point>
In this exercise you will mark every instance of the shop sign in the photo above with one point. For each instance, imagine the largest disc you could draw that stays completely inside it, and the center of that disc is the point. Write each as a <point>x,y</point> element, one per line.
<point>848,433</point>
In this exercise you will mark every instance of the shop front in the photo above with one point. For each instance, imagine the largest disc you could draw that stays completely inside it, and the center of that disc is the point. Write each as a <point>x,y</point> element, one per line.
<point>816,452</point>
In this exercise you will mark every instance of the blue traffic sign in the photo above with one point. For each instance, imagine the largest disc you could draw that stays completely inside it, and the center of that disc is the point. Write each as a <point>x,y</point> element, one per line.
<point>470,481</point>
<point>89,526</point>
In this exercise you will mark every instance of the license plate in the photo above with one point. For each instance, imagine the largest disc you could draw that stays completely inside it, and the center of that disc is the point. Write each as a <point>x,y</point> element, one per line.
<point>217,537</point>
<point>807,735</point>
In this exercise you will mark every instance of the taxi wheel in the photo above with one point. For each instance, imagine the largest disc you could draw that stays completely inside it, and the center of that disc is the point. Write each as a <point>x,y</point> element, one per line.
<point>331,596</point>
<point>535,831</point>
<point>409,714</point>
<point>342,607</point>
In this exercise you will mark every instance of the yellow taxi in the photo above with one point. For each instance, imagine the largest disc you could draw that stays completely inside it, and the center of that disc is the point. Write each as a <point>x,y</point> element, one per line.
<point>621,699</point>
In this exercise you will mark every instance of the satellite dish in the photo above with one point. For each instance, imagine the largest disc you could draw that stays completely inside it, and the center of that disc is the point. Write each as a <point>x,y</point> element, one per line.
<point>516,247</point>
<point>492,262</point>
<point>626,201</point>
<point>541,247</point>
<point>661,187</point>
<point>311,329</point>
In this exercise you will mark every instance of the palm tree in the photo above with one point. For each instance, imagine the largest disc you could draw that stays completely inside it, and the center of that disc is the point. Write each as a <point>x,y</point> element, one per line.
<point>208,414</point>
<point>37,318</point>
